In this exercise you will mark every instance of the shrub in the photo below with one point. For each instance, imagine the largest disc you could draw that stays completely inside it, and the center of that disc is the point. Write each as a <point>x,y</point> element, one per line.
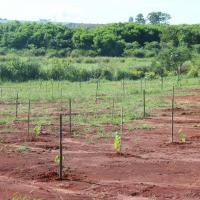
<point>136,74</point>
<point>80,52</point>
<point>196,48</point>
<point>150,54</point>
<point>45,74</point>
<point>152,45</point>
<point>150,75</point>
<point>59,53</point>
<point>58,72</point>
<point>3,51</point>
<point>96,73</point>
<point>20,70</point>
<point>84,75</point>
<point>38,51</point>
<point>139,53</point>
<point>90,60</point>
<point>122,75</point>
<point>194,72</point>
<point>107,74</point>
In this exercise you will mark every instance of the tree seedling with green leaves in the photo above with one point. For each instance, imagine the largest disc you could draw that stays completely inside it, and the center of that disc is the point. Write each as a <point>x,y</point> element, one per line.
<point>117,143</point>
<point>57,159</point>
<point>182,136</point>
<point>37,130</point>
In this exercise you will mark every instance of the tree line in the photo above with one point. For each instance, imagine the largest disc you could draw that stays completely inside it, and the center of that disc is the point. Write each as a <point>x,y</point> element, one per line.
<point>117,39</point>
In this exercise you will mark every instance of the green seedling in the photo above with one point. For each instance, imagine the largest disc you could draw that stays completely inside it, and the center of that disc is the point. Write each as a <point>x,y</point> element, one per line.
<point>182,136</point>
<point>1,141</point>
<point>37,130</point>
<point>57,159</point>
<point>117,143</point>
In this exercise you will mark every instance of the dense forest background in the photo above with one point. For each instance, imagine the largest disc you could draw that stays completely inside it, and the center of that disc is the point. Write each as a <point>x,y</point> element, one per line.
<point>167,46</point>
<point>122,39</point>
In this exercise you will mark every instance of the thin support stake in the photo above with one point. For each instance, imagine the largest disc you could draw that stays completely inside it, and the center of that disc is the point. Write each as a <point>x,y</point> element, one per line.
<point>96,96</point>
<point>123,84</point>
<point>122,120</point>
<point>113,108</point>
<point>80,83</point>
<point>70,116</point>
<point>17,102</point>
<point>141,85</point>
<point>61,95</point>
<point>144,103</point>
<point>173,116</point>
<point>29,112</point>
<point>100,82</point>
<point>61,151</point>
<point>162,83</point>
<point>97,84</point>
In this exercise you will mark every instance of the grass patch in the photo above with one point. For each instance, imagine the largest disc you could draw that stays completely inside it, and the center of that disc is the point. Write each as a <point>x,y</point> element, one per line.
<point>6,121</point>
<point>23,149</point>
<point>22,197</point>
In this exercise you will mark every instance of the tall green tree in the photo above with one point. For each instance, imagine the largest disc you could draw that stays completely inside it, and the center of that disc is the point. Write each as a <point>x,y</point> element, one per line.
<point>140,18</point>
<point>158,18</point>
<point>172,59</point>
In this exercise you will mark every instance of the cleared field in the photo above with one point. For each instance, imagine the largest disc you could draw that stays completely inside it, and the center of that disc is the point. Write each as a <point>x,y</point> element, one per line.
<point>149,165</point>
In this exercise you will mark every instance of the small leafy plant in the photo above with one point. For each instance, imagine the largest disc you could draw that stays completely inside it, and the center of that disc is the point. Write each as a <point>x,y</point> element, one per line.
<point>37,130</point>
<point>57,159</point>
<point>117,143</point>
<point>182,136</point>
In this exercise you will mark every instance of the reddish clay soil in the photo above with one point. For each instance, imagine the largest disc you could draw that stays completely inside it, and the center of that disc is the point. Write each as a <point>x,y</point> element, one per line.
<point>150,166</point>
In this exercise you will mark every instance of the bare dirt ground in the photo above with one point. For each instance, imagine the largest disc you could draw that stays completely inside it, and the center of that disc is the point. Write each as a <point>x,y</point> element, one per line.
<point>150,168</point>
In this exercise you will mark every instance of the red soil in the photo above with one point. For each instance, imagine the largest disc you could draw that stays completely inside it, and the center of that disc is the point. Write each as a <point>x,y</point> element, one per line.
<point>150,167</point>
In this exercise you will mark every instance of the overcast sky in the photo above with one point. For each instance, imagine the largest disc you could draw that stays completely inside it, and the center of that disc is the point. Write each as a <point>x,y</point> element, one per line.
<point>98,11</point>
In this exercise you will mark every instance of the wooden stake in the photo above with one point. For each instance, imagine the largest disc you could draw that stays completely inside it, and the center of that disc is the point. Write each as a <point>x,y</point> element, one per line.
<point>96,96</point>
<point>80,83</point>
<point>113,107</point>
<point>173,115</point>
<point>70,117</point>
<point>122,121</point>
<point>162,82</point>
<point>61,151</point>
<point>123,84</point>
<point>17,102</point>
<point>144,103</point>
<point>97,85</point>
<point>141,85</point>
<point>29,112</point>
<point>61,95</point>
